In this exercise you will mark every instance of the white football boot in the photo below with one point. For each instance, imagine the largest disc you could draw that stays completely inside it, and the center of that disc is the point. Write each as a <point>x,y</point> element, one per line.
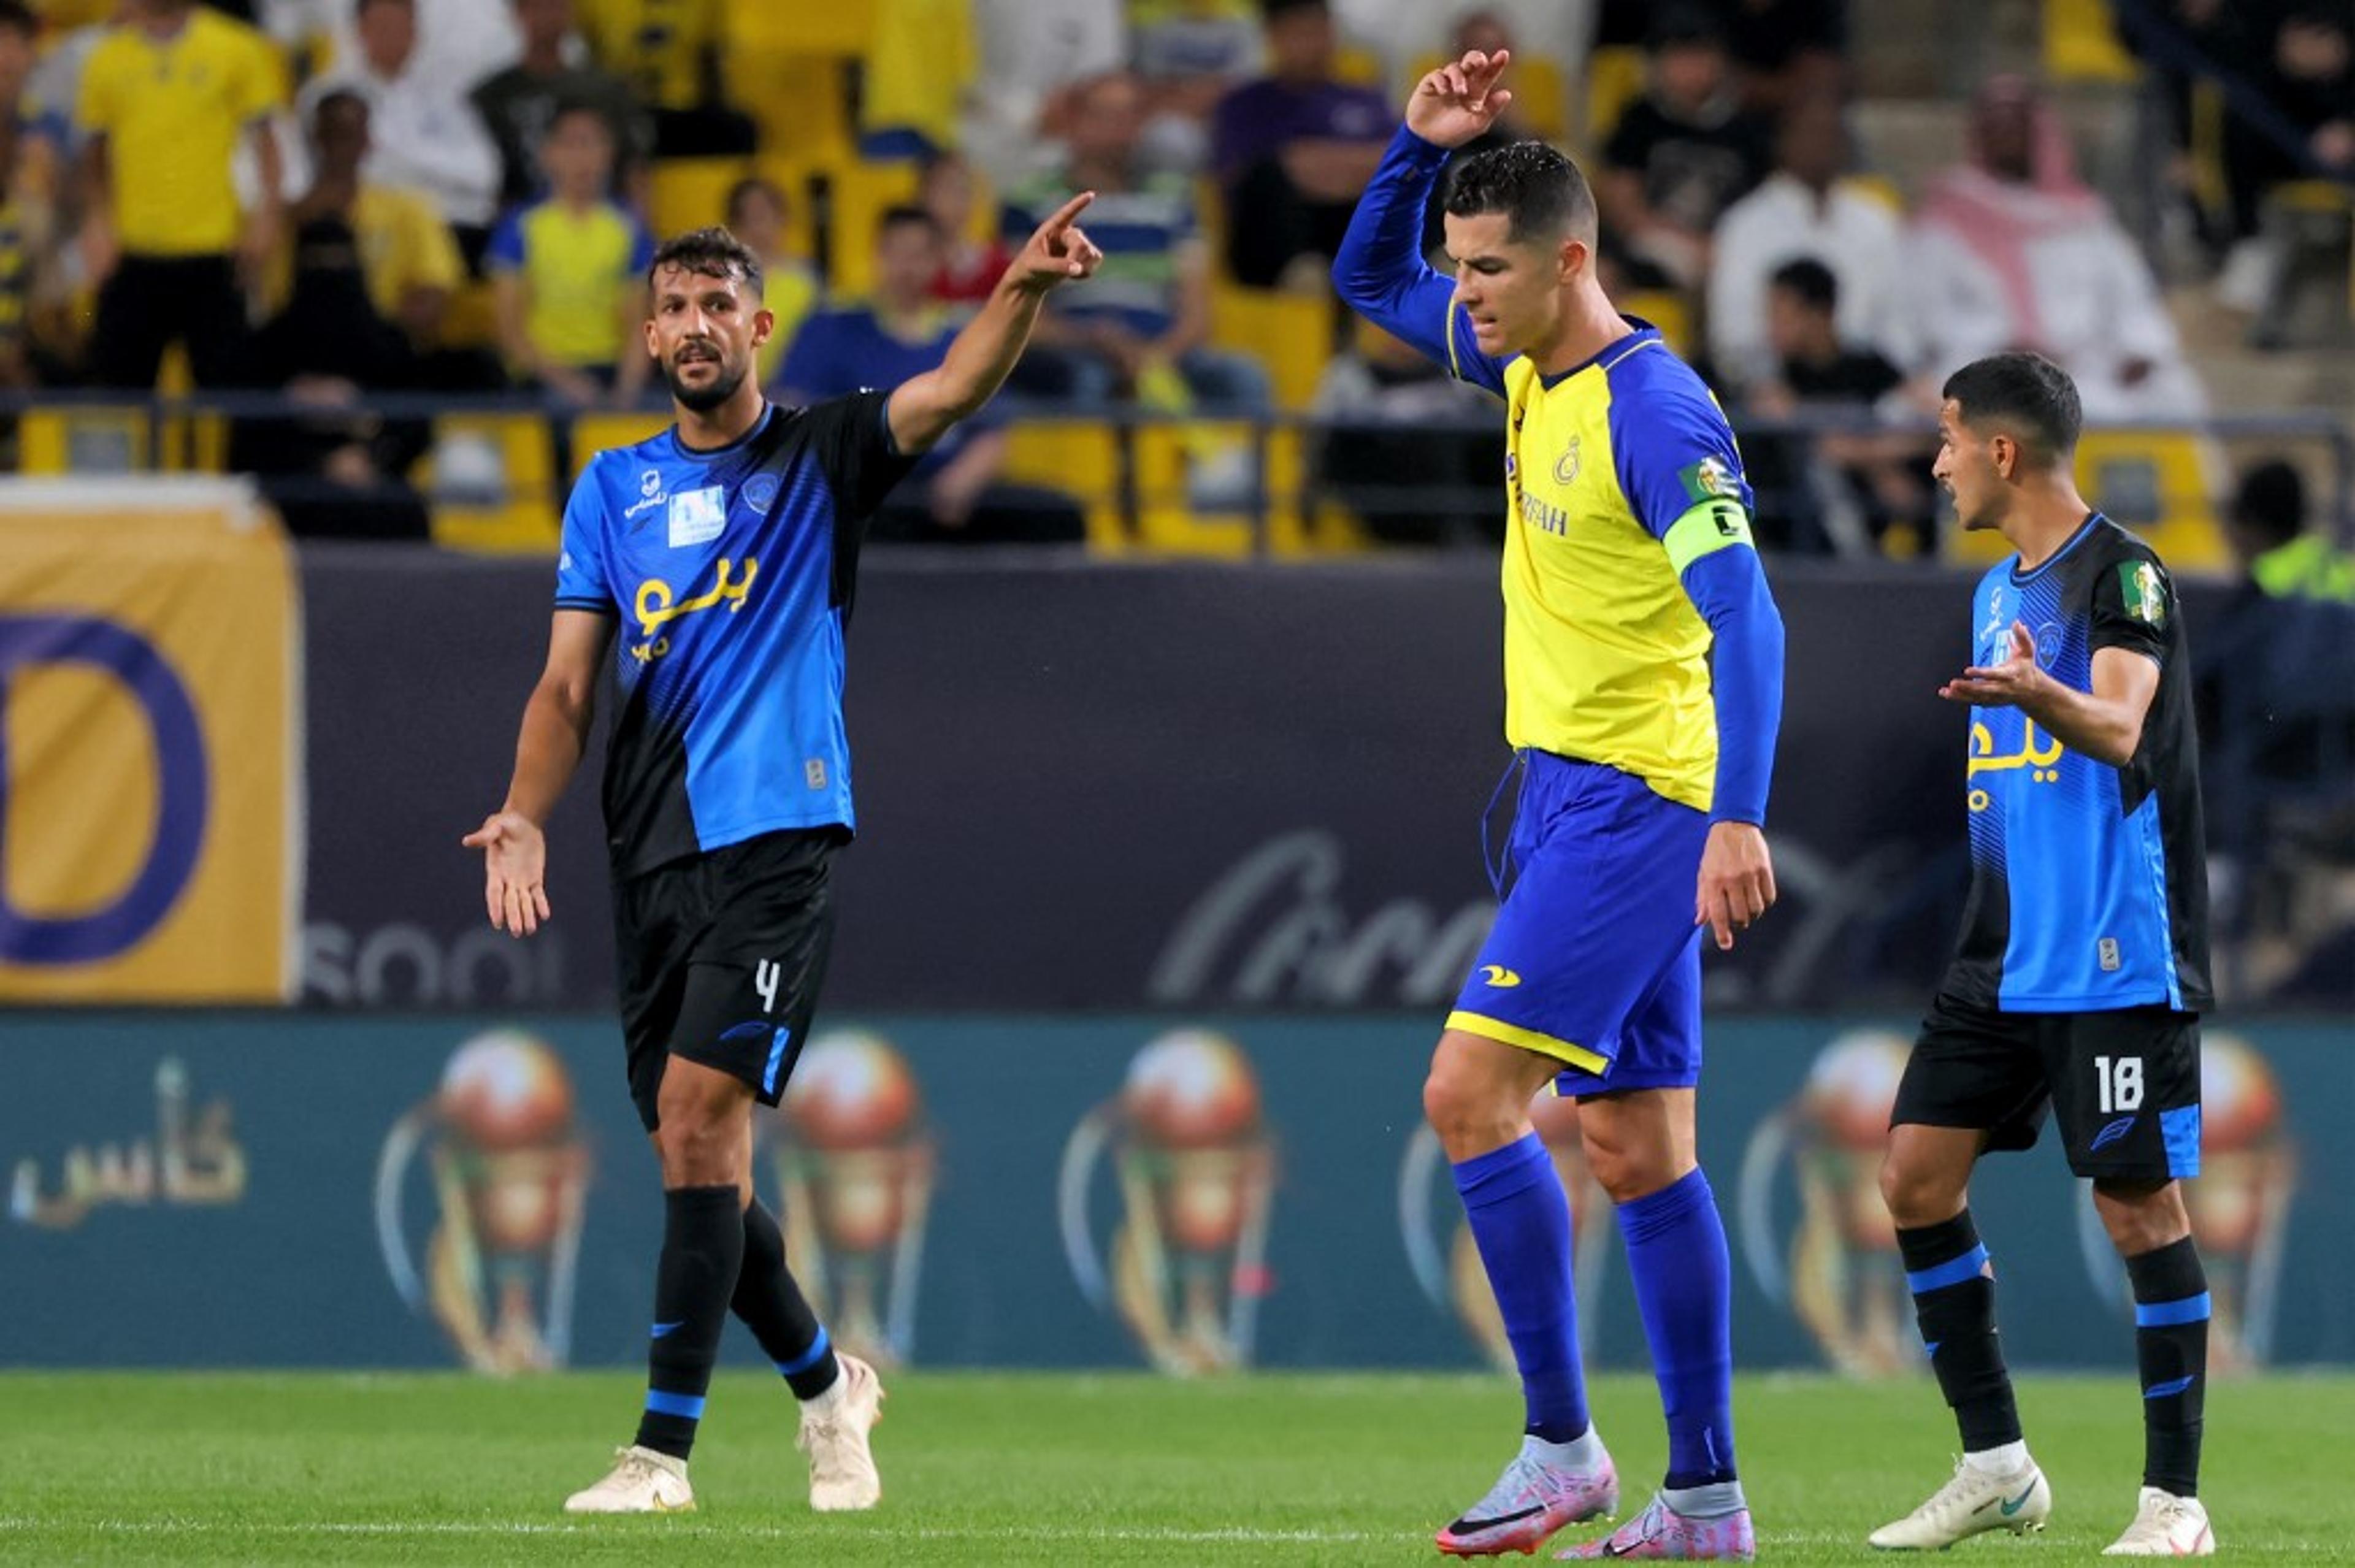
<point>642,1481</point>
<point>835,1428</point>
<point>2165,1526</point>
<point>1972,1503</point>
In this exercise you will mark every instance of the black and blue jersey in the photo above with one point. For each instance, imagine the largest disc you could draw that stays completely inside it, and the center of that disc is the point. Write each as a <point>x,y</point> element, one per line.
<point>2089,884</point>
<point>730,573</point>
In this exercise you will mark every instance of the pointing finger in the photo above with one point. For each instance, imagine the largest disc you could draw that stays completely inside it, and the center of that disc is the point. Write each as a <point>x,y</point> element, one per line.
<point>1065,213</point>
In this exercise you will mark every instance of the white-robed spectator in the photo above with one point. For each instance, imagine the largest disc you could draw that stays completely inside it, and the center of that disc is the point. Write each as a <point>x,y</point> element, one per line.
<point>2011,250</point>
<point>426,135</point>
<point>1805,211</point>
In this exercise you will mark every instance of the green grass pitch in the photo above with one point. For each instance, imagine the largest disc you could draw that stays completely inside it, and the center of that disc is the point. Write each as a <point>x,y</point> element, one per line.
<point>189,1468</point>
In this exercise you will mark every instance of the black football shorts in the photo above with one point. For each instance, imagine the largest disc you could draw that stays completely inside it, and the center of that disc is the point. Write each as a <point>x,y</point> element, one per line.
<point>720,957</point>
<point>2124,1084</point>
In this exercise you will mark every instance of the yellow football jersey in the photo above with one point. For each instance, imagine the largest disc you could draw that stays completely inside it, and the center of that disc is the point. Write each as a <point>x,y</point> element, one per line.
<point>1618,475</point>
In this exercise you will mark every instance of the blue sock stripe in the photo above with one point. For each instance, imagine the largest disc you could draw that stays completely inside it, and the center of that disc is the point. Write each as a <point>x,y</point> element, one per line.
<point>2168,1314</point>
<point>1930,1348</point>
<point>810,1357</point>
<point>1953,1271</point>
<point>689,1405</point>
<point>2171,1387</point>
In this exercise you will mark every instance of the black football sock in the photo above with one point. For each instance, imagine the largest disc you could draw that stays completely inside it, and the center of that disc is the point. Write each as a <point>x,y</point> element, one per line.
<point>774,1308</point>
<point>1953,1300</point>
<point>2170,1292</point>
<point>703,1249</point>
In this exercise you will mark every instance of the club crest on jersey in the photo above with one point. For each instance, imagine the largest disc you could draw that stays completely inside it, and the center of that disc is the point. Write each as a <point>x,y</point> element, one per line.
<point>1565,467</point>
<point>2144,592</point>
<point>697,517</point>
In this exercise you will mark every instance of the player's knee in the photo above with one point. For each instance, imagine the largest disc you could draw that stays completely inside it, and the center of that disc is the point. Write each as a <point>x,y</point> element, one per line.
<point>2141,1216</point>
<point>1469,1115</point>
<point>1915,1194</point>
<point>699,1141</point>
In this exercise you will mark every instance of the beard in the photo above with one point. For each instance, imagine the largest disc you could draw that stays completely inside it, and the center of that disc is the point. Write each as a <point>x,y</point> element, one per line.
<point>704,399</point>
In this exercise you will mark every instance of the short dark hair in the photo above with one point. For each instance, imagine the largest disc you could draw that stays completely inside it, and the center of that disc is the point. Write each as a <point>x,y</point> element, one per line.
<point>1811,280</point>
<point>712,252</point>
<point>16,17</point>
<point>2026,392</point>
<point>2271,502</point>
<point>566,108</point>
<point>910,214</point>
<point>1542,191</point>
<point>1270,10</point>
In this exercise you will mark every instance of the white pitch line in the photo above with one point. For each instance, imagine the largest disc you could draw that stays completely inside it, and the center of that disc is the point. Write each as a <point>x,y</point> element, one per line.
<point>1046,1533</point>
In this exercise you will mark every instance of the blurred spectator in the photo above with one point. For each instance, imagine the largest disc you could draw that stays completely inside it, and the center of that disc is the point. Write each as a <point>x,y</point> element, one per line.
<point>2305,69</point>
<point>1488,32</point>
<point>55,85</point>
<point>459,42</point>
<point>408,261</point>
<point>2268,529</point>
<point>1190,54</point>
<point>1147,313</point>
<point>1293,150</point>
<point>944,189</point>
<point>332,471</point>
<point>1032,52</point>
<point>2011,250</point>
<point>1684,153</point>
<point>954,495</point>
<point>31,144</point>
<point>1842,489</point>
<point>1782,51</point>
<point>757,212</point>
<point>518,104</point>
<point>571,273</point>
<point>920,71</point>
<point>1410,33</point>
<point>1409,449</point>
<point>423,134</point>
<point>164,103</point>
<point>668,52</point>
<point>1804,209</point>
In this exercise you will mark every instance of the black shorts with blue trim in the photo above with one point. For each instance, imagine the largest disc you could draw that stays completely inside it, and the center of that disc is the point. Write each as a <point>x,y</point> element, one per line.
<point>2124,1084</point>
<point>721,956</point>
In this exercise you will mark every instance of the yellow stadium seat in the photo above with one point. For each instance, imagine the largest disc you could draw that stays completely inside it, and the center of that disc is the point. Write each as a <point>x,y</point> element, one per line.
<point>1668,312</point>
<point>2080,43</point>
<point>802,26</point>
<point>692,193</point>
<point>1540,95</point>
<point>510,507</point>
<point>800,101</point>
<point>1082,461</point>
<point>84,439</point>
<point>859,195</point>
<point>1615,79</point>
<point>596,432</point>
<point>2161,484</point>
<point>1291,334</point>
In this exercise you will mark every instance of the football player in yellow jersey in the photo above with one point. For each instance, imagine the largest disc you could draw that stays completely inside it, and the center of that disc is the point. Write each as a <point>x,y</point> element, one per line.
<point>1627,557</point>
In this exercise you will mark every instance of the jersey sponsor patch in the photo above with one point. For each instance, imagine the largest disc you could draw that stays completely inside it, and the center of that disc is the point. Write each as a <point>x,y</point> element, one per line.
<point>1711,479</point>
<point>2144,591</point>
<point>698,515</point>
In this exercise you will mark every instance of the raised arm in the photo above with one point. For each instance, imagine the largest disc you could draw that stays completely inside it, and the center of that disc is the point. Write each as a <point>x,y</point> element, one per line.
<point>923,408</point>
<point>1380,271</point>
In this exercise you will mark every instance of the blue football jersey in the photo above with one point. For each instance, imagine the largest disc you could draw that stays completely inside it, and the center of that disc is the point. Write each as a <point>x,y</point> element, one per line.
<point>2089,885</point>
<point>729,575</point>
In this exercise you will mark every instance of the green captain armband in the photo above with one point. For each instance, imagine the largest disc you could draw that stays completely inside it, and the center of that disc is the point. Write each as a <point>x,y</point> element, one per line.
<point>1712,526</point>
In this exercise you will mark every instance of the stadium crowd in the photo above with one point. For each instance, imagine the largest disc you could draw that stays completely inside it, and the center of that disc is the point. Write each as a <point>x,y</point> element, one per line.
<point>340,198</point>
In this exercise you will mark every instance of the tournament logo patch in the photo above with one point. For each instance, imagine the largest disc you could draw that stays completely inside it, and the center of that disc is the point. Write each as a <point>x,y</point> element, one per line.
<point>2144,591</point>
<point>761,493</point>
<point>1711,479</point>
